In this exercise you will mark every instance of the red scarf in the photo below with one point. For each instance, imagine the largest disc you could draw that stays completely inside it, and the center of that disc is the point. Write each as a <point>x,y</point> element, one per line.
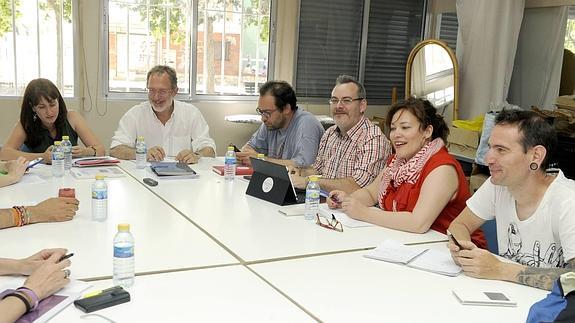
<point>401,171</point>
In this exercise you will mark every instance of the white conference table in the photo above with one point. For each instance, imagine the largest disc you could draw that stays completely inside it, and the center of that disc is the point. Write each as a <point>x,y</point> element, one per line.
<point>223,294</point>
<point>252,228</point>
<point>348,287</point>
<point>164,239</point>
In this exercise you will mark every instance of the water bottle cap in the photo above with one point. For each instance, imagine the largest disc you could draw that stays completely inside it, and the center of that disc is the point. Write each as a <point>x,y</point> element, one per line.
<point>100,176</point>
<point>140,137</point>
<point>231,148</point>
<point>123,227</point>
<point>57,143</point>
<point>313,178</point>
<point>65,137</point>
<point>261,156</point>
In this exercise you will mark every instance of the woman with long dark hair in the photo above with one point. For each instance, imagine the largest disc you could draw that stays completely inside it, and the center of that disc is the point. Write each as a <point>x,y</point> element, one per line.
<point>45,119</point>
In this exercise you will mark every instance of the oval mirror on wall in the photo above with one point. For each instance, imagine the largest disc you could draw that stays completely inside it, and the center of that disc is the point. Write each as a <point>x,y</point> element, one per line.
<point>432,73</point>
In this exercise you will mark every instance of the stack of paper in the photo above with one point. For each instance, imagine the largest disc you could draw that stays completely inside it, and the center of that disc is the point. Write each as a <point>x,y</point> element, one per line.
<point>433,260</point>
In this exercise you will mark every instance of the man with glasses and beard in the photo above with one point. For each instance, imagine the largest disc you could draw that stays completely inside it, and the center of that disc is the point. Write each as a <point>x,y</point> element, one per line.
<point>287,136</point>
<point>353,151</point>
<point>169,127</point>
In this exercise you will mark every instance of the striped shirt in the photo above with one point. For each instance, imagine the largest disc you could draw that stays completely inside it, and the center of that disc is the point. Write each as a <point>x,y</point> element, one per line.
<point>360,154</point>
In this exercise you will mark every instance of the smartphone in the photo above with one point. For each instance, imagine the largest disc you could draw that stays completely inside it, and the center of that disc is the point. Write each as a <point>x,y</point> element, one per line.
<point>67,192</point>
<point>34,162</point>
<point>454,240</point>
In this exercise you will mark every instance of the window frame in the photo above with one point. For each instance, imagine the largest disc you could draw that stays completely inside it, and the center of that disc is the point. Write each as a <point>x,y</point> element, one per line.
<point>192,96</point>
<point>76,40</point>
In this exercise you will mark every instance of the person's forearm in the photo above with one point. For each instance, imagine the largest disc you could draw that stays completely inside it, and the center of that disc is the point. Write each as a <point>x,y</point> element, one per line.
<point>403,221</point>
<point>285,162</point>
<point>307,171</point>
<point>123,152</point>
<point>542,278</point>
<point>207,152</point>
<point>460,231</point>
<point>363,196</point>
<point>11,308</point>
<point>347,184</point>
<point>11,154</point>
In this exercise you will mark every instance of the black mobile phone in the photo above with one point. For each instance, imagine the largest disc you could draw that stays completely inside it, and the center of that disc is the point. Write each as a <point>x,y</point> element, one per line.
<point>455,241</point>
<point>150,181</point>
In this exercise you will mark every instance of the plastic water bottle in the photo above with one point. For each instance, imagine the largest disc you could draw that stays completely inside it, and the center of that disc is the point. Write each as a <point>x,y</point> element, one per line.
<point>57,160</point>
<point>123,257</point>
<point>230,164</point>
<point>99,199</point>
<point>312,198</point>
<point>141,153</point>
<point>67,149</point>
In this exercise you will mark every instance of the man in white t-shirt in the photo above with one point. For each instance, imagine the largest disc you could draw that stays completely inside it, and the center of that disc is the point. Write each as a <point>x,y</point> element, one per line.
<point>169,127</point>
<point>535,210</point>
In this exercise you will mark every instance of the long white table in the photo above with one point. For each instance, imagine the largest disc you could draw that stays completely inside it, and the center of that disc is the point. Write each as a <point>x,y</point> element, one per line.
<point>351,288</point>
<point>164,239</point>
<point>224,294</point>
<point>252,228</point>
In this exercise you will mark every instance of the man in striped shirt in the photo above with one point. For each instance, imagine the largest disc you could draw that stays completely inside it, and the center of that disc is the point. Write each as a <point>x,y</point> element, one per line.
<point>353,151</point>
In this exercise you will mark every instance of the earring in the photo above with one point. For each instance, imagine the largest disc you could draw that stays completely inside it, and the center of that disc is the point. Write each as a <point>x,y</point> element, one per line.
<point>34,116</point>
<point>533,166</point>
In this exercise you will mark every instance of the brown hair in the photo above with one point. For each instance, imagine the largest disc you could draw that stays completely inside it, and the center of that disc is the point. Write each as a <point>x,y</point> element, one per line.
<point>425,113</point>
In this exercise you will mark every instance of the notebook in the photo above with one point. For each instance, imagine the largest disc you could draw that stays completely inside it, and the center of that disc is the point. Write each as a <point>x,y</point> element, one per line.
<point>271,182</point>
<point>437,261</point>
<point>240,170</point>
<point>172,170</point>
<point>95,161</point>
<point>483,298</point>
<point>90,173</point>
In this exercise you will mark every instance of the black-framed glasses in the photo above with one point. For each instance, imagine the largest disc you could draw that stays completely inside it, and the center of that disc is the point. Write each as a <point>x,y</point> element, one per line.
<point>332,224</point>
<point>266,114</point>
<point>344,101</point>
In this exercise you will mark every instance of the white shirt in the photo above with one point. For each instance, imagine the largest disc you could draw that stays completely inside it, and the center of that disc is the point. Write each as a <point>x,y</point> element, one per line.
<point>547,238</point>
<point>186,129</point>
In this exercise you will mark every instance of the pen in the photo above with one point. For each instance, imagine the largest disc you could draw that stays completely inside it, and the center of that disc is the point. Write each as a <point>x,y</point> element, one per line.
<point>66,256</point>
<point>98,292</point>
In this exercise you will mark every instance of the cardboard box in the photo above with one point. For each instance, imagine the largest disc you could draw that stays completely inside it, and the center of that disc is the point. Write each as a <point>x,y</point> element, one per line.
<point>475,181</point>
<point>463,142</point>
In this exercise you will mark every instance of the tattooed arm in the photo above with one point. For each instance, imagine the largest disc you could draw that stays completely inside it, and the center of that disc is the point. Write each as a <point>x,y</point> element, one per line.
<point>542,277</point>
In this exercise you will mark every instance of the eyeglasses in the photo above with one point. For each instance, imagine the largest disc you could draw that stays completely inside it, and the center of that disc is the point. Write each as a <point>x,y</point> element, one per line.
<point>344,101</point>
<point>332,224</point>
<point>266,114</point>
<point>159,92</point>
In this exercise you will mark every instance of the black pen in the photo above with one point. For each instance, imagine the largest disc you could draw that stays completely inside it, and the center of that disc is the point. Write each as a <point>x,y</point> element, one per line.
<point>66,257</point>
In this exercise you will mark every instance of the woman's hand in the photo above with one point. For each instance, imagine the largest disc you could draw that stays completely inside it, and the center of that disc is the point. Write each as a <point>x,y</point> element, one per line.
<point>30,264</point>
<point>47,155</point>
<point>16,169</point>
<point>353,208</point>
<point>54,209</point>
<point>50,276</point>
<point>335,199</point>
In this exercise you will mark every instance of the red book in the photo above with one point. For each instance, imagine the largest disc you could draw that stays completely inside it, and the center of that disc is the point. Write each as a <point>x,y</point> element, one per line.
<point>240,170</point>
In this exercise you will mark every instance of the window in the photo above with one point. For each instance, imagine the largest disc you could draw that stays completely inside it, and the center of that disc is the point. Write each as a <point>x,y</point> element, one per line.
<point>448,29</point>
<point>191,37</point>
<point>36,38</point>
<point>336,38</point>
<point>570,32</point>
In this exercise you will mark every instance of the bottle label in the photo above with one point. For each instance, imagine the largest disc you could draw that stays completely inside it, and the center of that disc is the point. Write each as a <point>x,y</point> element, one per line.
<point>230,161</point>
<point>99,194</point>
<point>123,252</point>
<point>312,194</point>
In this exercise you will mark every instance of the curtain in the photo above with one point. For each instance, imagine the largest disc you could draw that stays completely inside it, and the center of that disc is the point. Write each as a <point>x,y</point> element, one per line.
<point>486,45</point>
<point>537,72</point>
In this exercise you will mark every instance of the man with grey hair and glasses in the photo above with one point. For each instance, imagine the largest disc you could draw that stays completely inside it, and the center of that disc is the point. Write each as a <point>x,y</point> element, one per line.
<point>287,136</point>
<point>169,127</point>
<point>353,151</point>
